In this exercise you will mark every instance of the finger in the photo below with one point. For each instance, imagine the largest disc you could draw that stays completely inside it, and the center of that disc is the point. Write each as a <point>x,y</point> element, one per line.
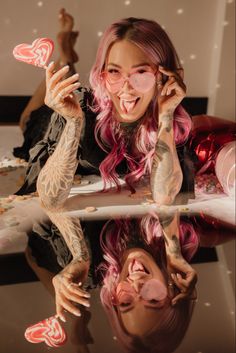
<point>76,289</point>
<point>75,297</point>
<point>175,87</point>
<point>178,298</point>
<point>65,83</point>
<point>66,91</point>
<point>56,77</point>
<point>177,283</point>
<point>67,305</point>
<point>178,74</point>
<point>49,72</point>
<point>59,311</point>
<point>167,84</point>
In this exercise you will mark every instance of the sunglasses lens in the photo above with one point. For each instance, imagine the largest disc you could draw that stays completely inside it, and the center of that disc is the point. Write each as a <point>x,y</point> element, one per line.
<point>154,289</point>
<point>142,82</point>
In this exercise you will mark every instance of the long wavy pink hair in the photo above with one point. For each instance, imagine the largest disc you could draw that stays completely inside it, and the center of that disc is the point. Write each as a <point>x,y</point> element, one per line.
<point>139,149</point>
<point>115,239</point>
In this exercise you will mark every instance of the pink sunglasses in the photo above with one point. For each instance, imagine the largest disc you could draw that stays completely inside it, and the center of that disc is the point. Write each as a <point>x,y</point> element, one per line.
<point>141,82</point>
<point>151,290</point>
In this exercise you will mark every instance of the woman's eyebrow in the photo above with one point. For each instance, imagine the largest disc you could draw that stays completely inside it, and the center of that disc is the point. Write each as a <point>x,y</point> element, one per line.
<point>156,305</point>
<point>142,64</point>
<point>134,66</point>
<point>125,310</point>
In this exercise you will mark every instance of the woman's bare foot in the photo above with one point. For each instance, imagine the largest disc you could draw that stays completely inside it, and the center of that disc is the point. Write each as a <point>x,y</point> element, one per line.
<point>66,38</point>
<point>66,21</point>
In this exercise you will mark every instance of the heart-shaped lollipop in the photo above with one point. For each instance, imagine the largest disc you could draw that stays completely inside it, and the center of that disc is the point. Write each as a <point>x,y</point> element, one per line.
<point>48,331</point>
<point>38,53</point>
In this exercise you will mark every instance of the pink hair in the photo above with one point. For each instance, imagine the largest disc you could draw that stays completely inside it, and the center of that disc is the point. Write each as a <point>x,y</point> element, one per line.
<point>152,40</point>
<point>115,238</point>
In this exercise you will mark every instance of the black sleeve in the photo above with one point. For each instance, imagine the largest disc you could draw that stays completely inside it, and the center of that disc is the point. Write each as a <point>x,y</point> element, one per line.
<point>40,153</point>
<point>187,167</point>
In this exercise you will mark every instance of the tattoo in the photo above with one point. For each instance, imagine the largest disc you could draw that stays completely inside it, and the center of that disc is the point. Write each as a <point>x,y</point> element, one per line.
<point>72,232</point>
<point>170,225</point>
<point>166,175</point>
<point>175,246</point>
<point>56,177</point>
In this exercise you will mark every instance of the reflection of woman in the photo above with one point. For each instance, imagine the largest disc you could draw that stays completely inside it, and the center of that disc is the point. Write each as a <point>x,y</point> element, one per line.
<point>140,287</point>
<point>147,285</point>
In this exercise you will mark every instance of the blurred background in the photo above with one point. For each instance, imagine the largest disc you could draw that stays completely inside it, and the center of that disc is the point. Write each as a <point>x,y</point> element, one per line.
<point>201,30</point>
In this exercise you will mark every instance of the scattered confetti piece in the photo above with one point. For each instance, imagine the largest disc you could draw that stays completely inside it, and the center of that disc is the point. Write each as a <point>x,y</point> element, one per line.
<point>90,209</point>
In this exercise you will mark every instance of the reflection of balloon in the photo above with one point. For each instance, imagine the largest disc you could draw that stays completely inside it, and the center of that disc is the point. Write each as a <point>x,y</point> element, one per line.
<point>209,134</point>
<point>225,167</point>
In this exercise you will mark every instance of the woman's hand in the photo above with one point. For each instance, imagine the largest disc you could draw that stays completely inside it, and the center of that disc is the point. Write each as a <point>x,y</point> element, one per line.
<point>68,291</point>
<point>172,92</point>
<point>60,95</point>
<point>183,276</point>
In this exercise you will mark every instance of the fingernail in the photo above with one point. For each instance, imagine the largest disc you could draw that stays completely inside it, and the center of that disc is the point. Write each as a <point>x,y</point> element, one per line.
<point>87,295</point>
<point>80,283</point>
<point>174,303</point>
<point>77,313</point>
<point>172,275</point>
<point>75,75</point>
<point>178,275</point>
<point>66,67</point>
<point>77,84</point>
<point>51,63</point>
<point>62,319</point>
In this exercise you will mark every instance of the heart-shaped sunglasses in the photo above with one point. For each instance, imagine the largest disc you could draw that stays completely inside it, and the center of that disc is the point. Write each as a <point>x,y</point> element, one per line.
<point>140,81</point>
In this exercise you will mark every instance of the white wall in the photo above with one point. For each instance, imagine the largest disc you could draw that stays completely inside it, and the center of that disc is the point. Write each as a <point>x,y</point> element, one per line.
<point>194,26</point>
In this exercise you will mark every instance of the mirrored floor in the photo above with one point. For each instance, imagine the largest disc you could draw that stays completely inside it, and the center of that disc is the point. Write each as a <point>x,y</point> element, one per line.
<point>208,322</point>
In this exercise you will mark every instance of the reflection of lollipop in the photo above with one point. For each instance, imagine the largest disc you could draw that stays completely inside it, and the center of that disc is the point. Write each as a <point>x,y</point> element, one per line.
<point>48,331</point>
<point>225,167</point>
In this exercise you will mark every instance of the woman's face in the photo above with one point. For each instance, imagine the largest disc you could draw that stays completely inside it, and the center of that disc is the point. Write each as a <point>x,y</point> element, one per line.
<point>125,59</point>
<point>141,293</point>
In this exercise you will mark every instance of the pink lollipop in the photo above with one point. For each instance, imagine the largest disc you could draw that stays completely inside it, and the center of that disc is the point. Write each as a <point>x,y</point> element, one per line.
<point>38,53</point>
<point>48,331</point>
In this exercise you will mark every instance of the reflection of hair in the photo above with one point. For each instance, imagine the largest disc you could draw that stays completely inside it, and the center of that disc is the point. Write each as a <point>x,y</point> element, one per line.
<point>153,41</point>
<point>115,238</point>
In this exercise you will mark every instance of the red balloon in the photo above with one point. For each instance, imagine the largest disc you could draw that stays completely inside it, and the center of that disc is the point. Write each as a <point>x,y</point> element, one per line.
<point>209,134</point>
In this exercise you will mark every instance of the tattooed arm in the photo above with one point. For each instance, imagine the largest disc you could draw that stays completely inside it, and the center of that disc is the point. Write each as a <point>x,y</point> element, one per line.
<point>180,271</point>
<point>166,174</point>
<point>56,177</point>
<point>68,283</point>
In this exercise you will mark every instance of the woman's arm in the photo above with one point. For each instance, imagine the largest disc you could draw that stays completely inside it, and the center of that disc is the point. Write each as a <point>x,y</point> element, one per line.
<point>166,175</point>
<point>56,178</point>
<point>68,284</point>
<point>181,273</point>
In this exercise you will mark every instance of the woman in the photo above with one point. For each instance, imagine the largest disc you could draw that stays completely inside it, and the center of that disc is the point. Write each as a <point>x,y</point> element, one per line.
<point>135,112</point>
<point>127,121</point>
